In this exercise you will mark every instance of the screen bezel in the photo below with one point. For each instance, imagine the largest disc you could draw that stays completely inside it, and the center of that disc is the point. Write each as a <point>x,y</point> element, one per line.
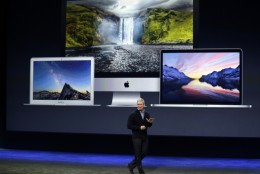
<point>133,74</point>
<point>206,50</point>
<point>62,102</point>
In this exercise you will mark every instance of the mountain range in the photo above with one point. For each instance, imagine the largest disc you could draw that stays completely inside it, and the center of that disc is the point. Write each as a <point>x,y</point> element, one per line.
<point>67,93</point>
<point>228,78</point>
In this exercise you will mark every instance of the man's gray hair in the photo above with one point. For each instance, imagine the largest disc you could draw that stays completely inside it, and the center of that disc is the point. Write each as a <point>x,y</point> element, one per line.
<point>140,100</point>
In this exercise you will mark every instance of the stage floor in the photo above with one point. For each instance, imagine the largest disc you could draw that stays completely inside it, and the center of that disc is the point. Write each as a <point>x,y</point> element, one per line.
<point>46,162</point>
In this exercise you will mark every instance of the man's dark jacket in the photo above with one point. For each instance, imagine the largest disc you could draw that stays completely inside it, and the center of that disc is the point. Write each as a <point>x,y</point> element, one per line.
<point>135,121</point>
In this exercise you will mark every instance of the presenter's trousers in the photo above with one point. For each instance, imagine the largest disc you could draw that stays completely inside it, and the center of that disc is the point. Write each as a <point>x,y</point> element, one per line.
<point>140,143</point>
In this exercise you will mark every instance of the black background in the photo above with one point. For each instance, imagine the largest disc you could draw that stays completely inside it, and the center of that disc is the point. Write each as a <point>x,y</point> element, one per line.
<point>36,29</point>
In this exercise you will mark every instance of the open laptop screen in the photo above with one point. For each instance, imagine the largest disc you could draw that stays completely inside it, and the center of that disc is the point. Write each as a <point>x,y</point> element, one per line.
<point>201,76</point>
<point>62,80</point>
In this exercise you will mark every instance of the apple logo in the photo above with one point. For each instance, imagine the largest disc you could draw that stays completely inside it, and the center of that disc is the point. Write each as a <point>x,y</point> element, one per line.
<point>126,84</point>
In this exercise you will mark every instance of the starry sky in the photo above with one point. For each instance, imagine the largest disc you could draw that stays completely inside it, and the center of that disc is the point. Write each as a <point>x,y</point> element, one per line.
<point>52,75</point>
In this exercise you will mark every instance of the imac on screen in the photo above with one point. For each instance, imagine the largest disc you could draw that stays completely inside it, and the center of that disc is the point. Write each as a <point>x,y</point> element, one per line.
<point>62,81</point>
<point>125,37</point>
<point>201,76</point>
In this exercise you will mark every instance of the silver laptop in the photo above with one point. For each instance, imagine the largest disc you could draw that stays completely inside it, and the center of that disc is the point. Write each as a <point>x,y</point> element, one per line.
<point>62,81</point>
<point>202,78</point>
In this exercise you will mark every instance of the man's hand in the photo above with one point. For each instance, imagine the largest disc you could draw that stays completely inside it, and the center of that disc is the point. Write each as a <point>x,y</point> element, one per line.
<point>150,120</point>
<point>142,127</point>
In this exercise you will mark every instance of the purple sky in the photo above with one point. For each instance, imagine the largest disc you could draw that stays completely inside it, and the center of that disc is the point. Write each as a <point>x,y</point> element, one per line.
<point>195,65</point>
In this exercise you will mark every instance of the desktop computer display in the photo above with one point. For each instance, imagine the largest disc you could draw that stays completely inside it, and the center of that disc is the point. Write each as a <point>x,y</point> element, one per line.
<point>126,37</point>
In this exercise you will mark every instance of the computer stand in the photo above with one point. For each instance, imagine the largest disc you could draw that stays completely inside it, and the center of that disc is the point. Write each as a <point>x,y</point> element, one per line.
<point>124,99</point>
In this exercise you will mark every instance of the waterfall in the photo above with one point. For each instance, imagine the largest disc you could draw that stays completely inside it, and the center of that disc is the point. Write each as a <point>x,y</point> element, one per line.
<point>126,30</point>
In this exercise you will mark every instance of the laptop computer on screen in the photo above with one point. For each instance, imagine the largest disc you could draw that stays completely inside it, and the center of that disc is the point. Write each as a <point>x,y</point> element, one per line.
<point>202,78</point>
<point>62,81</point>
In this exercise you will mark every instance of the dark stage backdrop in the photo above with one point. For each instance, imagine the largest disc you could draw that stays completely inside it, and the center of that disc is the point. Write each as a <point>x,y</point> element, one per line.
<point>35,29</point>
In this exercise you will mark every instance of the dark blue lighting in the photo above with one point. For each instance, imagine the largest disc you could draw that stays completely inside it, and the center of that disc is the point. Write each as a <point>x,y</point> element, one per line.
<point>122,160</point>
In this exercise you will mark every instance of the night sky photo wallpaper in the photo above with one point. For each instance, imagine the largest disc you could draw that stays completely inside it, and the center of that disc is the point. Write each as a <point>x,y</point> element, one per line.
<point>61,80</point>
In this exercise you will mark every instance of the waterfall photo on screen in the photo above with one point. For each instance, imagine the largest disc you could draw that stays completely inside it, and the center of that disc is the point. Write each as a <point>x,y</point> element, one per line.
<point>127,35</point>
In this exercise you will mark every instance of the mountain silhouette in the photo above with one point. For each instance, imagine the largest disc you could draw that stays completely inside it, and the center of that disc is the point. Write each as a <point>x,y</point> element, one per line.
<point>173,79</point>
<point>68,93</point>
<point>228,78</point>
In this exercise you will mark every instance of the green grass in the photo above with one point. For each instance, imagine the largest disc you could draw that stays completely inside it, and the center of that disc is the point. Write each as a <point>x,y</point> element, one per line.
<point>81,26</point>
<point>168,26</point>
